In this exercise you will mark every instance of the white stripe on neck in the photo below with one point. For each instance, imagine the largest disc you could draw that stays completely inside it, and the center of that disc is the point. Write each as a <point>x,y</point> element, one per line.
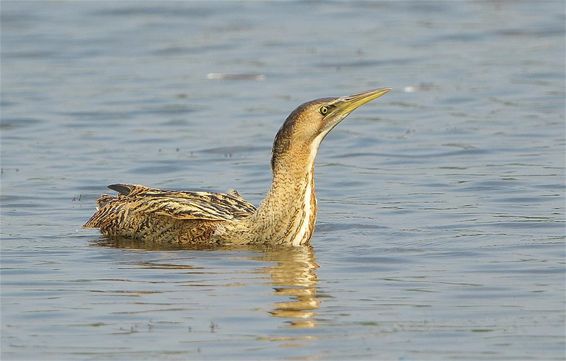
<point>308,210</point>
<point>301,236</point>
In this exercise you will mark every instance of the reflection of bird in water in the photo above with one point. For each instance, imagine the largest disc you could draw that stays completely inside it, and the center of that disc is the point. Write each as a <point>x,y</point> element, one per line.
<point>294,276</point>
<point>286,216</point>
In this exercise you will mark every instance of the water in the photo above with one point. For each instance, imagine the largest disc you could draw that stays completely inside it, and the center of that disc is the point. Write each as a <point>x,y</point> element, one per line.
<point>441,223</point>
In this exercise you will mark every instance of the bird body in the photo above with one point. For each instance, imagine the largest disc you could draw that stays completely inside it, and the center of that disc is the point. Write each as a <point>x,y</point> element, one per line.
<point>168,217</point>
<point>286,216</point>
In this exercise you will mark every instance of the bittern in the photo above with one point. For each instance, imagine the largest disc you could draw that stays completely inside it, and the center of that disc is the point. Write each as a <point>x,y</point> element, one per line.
<point>286,216</point>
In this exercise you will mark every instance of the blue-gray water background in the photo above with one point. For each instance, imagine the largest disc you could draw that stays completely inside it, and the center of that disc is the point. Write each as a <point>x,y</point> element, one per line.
<point>441,223</point>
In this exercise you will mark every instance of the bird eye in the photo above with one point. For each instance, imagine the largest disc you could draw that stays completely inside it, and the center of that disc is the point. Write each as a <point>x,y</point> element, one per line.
<point>323,110</point>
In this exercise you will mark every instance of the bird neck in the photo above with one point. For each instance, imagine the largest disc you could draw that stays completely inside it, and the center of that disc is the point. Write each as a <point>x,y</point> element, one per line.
<point>287,215</point>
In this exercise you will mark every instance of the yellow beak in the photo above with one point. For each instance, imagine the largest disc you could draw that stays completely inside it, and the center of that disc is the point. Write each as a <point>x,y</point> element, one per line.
<point>345,105</point>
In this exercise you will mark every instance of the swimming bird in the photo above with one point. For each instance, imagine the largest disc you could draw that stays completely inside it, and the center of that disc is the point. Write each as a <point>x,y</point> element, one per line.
<point>286,216</point>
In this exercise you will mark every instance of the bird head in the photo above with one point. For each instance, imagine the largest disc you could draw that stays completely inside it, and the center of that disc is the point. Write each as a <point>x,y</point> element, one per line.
<point>305,128</point>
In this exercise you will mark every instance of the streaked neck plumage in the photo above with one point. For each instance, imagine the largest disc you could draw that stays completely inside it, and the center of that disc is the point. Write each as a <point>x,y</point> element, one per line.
<point>287,215</point>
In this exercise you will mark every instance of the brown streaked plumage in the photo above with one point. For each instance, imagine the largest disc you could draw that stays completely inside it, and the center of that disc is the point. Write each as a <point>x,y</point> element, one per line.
<point>286,216</point>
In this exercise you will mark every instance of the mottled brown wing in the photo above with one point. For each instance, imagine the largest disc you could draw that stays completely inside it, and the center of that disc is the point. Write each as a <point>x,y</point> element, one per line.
<point>143,201</point>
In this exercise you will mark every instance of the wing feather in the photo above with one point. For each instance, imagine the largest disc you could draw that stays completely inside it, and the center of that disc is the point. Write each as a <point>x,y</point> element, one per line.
<point>145,201</point>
